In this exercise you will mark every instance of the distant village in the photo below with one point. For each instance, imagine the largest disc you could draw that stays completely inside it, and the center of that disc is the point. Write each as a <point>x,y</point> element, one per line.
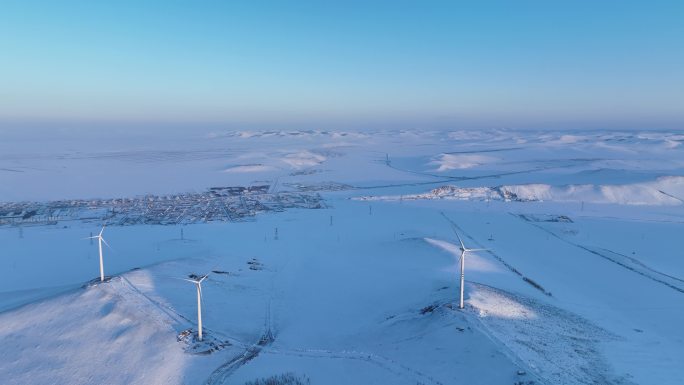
<point>217,204</point>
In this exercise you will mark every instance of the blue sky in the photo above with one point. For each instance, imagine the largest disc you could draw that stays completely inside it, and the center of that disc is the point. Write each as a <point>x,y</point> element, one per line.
<point>555,64</point>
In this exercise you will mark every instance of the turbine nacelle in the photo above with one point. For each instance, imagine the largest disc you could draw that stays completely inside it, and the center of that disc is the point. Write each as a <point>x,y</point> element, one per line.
<point>464,249</point>
<point>99,237</point>
<point>196,281</point>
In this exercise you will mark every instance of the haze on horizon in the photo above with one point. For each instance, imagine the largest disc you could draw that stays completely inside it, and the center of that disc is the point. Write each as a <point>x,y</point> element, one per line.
<point>523,64</point>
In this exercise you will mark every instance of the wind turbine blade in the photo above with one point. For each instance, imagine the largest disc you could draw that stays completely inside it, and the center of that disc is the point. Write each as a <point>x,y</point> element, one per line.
<point>203,278</point>
<point>93,237</point>
<point>477,250</point>
<point>101,231</point>
<point>105,242</point>
<point>459,240</point>
<point>183,279</point>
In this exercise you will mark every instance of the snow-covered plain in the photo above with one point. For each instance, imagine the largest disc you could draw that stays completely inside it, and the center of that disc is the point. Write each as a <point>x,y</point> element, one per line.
<point>582,282</point>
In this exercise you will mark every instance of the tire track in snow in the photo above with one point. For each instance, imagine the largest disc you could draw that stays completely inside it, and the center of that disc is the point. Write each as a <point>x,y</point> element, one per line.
<point>510,267</point>
<point>447,178</point>
<point>634,265</point>
<point>385,363</point>
<point>9,170</point>
<point>263,346</point>
<point>221,374</point>
<point>176,316</point>
<point>643,265</point>
<point>671,196</point>
<point>251,351</point>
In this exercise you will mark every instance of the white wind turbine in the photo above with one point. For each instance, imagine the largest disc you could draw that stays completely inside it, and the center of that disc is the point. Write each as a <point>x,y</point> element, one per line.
<point>464,250</point>
<point>100,240</point>
<point>198,285</point>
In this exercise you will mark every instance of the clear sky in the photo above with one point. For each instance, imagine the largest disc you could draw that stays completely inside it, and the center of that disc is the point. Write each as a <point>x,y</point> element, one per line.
<point>328,64</point>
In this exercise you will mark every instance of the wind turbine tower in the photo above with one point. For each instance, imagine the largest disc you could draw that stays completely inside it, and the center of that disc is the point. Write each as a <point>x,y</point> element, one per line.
<point>198,285</point>
<point>100,240</point>
<point>464,250</point>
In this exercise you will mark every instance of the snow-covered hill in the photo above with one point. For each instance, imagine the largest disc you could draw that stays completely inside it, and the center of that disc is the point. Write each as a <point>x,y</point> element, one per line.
<point>582,280</point>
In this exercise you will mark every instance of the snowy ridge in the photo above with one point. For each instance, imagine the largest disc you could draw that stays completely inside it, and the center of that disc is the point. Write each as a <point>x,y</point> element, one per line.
<point>247,134</point>
<point>664,191</point>
<point>135,334</point>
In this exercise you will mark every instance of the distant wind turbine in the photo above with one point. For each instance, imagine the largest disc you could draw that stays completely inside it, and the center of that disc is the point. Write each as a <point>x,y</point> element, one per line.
<point>100,240</point>
<point>464,250</point>
<point>198,285</point>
